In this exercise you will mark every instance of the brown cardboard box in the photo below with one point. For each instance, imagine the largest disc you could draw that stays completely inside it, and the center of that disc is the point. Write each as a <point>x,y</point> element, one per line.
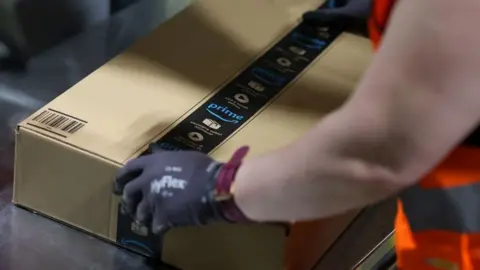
<point>164,89</point>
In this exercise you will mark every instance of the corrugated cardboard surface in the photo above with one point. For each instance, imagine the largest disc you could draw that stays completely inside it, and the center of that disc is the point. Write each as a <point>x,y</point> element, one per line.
<point>113,114</point>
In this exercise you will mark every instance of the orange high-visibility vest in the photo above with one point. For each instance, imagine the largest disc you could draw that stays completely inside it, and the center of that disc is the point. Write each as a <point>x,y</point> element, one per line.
<point>438,221</point>
<point>377,23</point>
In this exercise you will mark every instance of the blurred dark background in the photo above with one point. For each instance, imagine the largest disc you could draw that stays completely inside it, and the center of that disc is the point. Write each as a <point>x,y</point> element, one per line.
<point>29,27</point>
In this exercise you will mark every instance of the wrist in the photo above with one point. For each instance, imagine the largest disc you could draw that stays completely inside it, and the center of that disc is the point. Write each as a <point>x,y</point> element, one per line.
<point>224,194</point>
<point>263,186</point>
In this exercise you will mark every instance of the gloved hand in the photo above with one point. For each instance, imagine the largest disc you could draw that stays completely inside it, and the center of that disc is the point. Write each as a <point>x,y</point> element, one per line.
<point>179,188</point>
<point>350,13</point>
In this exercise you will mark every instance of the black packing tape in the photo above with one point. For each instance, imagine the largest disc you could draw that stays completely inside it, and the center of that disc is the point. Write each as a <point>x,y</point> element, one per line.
<point>235,104</point>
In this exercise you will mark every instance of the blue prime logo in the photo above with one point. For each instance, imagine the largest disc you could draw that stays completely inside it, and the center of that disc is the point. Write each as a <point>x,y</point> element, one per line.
<point>223,113</point>
<point>309,42</point>
<point>168,147</point>
<point>268,77</point>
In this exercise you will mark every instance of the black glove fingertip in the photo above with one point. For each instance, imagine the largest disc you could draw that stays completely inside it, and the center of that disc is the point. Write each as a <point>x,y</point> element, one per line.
<point>118,186</point>
<point>160,229</point>
<point>310,15</point>
<point>319,18</point>
<point>160,221</point>
<point>143,213</point>
<point>154,148</point>
<point>124,209</point>
<point>123,178</point>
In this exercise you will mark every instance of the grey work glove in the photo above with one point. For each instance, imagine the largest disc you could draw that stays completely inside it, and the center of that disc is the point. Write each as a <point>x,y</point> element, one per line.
<point>350,13</point>
<point>175,189</point>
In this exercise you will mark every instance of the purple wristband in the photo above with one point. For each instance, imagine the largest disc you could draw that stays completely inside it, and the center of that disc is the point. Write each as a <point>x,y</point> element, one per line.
<point>225,180</point>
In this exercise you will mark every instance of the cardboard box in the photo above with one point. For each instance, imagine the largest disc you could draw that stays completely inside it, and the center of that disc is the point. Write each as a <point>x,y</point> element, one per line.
<point>219,75</point>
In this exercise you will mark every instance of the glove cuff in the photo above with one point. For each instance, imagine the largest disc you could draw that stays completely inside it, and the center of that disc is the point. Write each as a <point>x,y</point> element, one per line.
<point>226,177</point>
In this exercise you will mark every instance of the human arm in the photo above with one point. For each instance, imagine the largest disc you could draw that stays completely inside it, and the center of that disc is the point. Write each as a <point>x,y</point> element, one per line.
<point>417,101</point>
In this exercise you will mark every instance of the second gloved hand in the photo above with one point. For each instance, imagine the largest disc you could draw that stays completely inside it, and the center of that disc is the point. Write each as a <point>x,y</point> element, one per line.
<point>173,189</point>
<point>352,13</point>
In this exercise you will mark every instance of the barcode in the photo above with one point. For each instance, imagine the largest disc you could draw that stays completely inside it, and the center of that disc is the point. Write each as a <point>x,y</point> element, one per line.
<point>59,122</point>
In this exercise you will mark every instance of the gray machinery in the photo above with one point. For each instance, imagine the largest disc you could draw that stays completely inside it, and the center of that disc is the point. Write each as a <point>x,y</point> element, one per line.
<point>28,27</point>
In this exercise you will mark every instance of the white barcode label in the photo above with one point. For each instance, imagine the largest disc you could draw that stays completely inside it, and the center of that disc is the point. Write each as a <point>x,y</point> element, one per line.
<point>58,122</point>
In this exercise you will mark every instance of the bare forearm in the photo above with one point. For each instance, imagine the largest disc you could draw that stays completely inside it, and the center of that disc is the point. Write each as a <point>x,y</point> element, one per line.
<point>311,178</point>
<point>417,101</point>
